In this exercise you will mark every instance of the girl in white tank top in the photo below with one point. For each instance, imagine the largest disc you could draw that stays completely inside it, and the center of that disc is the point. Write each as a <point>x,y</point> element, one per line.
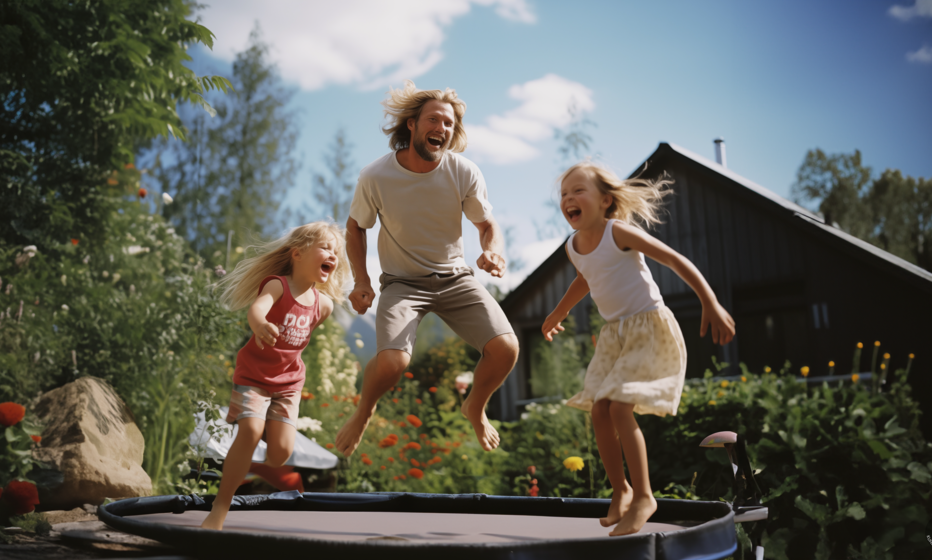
<point>640,359</point>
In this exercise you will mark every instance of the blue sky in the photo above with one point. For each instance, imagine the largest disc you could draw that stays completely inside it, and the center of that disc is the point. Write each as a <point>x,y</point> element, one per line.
<point>773,78</point>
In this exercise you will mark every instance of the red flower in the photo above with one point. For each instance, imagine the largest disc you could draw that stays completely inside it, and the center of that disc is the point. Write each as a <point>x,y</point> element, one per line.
<point>423,436</point>
<point>403,477</point>
<point>22,496</point>
<point>593,341</point>
<point>533,490</point>
<point>142,193</point>
<point>356,399</point>
<point>395,401</point>
<point>306,396</point>
<point>388,442</point>
<point>418,401</point>
<point>11,413</point>
<point>336,398</point>
<point>75,241</point>
<point>402,425</point>
<point>534,481</point>
<point>383,467</point>
<point>416,473</point>
<point>532,469</point>
<point>433,389</point>
<point>436,460</point>
<point>325,405</point>
<point>414,420</point>
<point>409,375</point>
<point>36,439</point>
<point>329,446</point>
<point>415,463</point>
<point>413,445</point>
<point>391,459</point>
<point>366,461</point>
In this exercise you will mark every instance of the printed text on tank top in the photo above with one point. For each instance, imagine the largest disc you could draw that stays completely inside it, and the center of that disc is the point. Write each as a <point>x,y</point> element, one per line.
<point>295,327</point>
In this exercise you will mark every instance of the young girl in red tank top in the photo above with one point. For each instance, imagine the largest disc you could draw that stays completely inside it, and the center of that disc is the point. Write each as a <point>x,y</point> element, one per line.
<point>290,288</point>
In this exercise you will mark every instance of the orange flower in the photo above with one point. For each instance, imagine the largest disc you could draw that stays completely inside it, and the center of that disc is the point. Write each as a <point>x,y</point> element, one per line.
<point>329,446</point>
<point>404,436</point>
<point>75,241</point>
<point>413,445</point>
<point>414,420</point>
<point>306,396</point>
<point>855,377</point>
<point>416,473</point>
<point>409,375</point>
<point>396,477</point>
<point>397,388</point>
<point>383,467</point>
<point>403,477</point>
<point>395,401</point>
<point>593,341</point>
<point>391,459</point>
<point>436,460</point>
<point>388,442</point>
<point>142,193</point>
<point>456,444</point>
<point>356,399</point>
<point>21,495</point>
<point>11,413</point>
<point>534,481</point>
<point>415,463</point>
<point>418,401</point>
<point>129,166</point>
<point>324,405</point>
<point>36,439</point>
<point>423,436</point>
<point>446,451</point>
<point>112,181</point>
<point>433,389</point>
<point>402,425</point>
<point>366,461</point>
<point>336,398</point>
<point>534,490</point>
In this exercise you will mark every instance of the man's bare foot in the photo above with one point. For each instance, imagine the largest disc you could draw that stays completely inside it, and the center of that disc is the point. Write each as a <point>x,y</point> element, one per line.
<point>638,513</point>
<point>215,519</point>
<point>621,501</point>
<point>487,435</point>
<point>350,434</point>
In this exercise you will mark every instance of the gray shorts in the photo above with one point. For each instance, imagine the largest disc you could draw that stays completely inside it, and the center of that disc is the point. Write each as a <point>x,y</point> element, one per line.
<point>459,299</point>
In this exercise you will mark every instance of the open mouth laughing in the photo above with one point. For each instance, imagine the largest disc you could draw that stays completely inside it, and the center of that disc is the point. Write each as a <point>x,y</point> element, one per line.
<point>573,212</point>
<point>435,141</point>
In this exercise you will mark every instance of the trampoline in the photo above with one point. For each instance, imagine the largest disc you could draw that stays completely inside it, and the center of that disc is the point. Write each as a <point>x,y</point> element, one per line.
<point>455,526</point>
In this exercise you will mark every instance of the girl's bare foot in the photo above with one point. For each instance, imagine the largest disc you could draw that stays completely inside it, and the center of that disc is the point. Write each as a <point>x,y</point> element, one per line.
<point>638,513</point>
<point>215,519</point>
<point>350,434</point>
<point>487,435</point>
<point>621,501</point>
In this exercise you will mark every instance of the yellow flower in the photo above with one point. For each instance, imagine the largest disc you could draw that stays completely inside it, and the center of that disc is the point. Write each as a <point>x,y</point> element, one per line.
<point>911,356</point>
<point>804,370</point>
<point>721,393</point>
<point>883,366</point>
<point>744,379</point>
<point>573,463</point>
<point>465,457</point>
<point>886,356</point>
<point>711,403</point>
<point>855,377</point>
<point>876,343</point>
<point>766,369</point>
<point>831,364</point>
<point>724,383</point>
<point>860,345</point>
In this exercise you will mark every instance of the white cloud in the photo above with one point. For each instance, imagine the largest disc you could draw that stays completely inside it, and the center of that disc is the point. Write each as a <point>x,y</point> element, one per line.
<point>922,56</point>
<point>545,104</point>
<point>922,8</point>
<point>369,43</point>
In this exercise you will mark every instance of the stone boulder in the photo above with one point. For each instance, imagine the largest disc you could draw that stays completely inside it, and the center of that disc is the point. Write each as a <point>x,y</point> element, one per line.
<point>92,438</point>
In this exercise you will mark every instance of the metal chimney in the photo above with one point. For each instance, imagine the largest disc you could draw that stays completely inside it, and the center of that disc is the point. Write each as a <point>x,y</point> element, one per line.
<point>720,152</point>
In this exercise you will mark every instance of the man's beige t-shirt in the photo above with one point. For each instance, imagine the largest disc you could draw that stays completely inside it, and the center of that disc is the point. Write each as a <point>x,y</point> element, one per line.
<point>420,213</point>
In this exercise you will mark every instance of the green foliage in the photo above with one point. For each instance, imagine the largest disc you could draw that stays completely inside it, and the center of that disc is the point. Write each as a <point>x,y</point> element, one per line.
<point>557,367</point>
<point>892,212</point>
<point>234,170</point>
<point>81,83</point>
<point>16,445</point>
<point>335,193</point>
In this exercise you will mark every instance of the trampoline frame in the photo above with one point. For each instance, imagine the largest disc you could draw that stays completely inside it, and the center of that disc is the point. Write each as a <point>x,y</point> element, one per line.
<point>712,537</point>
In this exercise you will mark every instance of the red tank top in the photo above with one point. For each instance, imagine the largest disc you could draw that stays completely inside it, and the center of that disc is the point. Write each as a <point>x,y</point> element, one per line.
<point>280,367</point>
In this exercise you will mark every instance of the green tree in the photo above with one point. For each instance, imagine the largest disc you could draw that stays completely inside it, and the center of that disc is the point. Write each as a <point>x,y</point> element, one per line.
<point>902,215</point>
<point>80,84</point>
<point>234,171</point>
<point>836,184</point>
<point>335,193</point>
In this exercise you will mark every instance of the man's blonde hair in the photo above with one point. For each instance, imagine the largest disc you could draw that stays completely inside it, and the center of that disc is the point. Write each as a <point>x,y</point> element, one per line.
<point>241,286</point>
<point>407,103</point>
<point>635,201</point>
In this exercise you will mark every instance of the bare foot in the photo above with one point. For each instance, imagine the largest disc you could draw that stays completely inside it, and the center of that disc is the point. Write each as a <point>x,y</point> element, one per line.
<point>350,434</point>
<point>215,519</point>
<point>638,513</point>
<point>487,435</point>
<point>621,501</point>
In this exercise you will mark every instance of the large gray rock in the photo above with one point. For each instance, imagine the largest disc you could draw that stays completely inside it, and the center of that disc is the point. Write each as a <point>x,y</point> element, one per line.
<point>92,438</point>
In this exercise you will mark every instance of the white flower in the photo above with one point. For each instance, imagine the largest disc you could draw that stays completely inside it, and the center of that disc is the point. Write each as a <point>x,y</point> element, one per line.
<point>64,307</point>
<point>309,424</point>
<point>359,343</point>
<point>463,381</point>
<point>105,274</point>
<point>135,250</point>
<point>64,280</point>
<point>166,198</point>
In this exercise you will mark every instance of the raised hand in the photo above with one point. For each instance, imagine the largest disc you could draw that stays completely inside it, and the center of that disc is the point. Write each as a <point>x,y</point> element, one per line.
<point>362,297</point>
<point>492,263</point>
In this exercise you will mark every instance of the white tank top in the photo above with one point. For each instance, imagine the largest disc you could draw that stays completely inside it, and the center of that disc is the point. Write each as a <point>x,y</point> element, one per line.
<point>619,281</point>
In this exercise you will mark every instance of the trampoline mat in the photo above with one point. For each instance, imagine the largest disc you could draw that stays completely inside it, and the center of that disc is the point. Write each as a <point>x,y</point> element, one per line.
<point>403,526</point>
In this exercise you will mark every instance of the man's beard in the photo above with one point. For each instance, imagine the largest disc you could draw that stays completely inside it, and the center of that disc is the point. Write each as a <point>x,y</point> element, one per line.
<point>420,146</point>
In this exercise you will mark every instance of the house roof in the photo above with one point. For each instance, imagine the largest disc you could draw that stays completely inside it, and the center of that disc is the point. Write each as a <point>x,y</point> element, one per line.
<point>804,218</point>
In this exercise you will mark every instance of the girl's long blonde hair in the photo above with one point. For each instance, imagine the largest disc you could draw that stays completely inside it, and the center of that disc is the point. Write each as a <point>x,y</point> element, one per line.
<point>241,286</point>
<point>407,103</point>
<point>635,201</point>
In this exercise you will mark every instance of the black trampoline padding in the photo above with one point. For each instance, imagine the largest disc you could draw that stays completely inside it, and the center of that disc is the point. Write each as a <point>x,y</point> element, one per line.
<point>396,525</point>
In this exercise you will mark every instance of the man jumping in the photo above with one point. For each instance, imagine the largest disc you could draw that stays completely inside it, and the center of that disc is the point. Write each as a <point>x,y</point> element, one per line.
<point>419,191</point>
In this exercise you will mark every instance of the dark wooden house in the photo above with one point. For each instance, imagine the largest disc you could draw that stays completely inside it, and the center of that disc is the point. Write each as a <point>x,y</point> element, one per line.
<point>798,288</point>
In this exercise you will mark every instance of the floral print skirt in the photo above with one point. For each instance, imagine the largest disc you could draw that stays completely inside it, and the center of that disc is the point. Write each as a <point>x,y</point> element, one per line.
<point>640,360</point>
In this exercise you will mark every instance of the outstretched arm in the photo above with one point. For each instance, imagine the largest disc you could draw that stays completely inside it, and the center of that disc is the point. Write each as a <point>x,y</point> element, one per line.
<point>714,315</point>
<point>493,246</point>
<point>574,294</point>
<point>362,295</point>
<point>265,332</point>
